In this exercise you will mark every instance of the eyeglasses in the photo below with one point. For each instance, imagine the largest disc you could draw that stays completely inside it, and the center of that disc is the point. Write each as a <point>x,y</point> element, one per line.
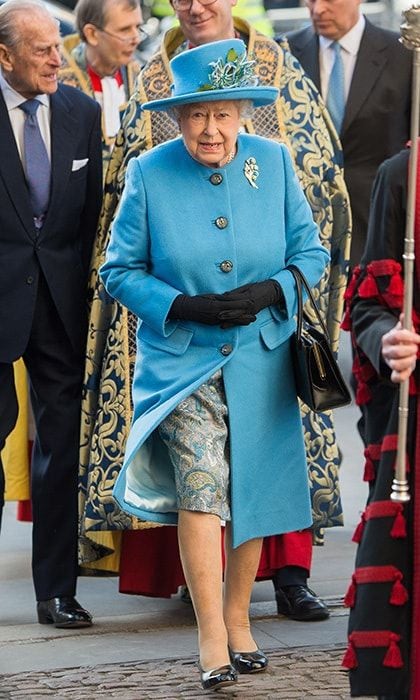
<point>183,5</point>
<point>141,34</point>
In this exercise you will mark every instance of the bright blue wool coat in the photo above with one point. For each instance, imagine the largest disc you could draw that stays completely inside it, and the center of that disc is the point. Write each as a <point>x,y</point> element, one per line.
<point>165,241</point>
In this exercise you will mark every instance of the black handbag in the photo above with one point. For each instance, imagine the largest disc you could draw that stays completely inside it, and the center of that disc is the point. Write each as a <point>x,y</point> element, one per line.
<point>319,382</point>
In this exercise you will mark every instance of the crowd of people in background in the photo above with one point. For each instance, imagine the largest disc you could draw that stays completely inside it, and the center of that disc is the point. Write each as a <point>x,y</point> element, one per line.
<point>77,115</point>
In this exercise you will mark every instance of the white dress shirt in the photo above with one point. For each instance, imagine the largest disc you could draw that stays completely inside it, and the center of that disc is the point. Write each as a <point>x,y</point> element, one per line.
<point>17,117</point>
<point>350,44</point>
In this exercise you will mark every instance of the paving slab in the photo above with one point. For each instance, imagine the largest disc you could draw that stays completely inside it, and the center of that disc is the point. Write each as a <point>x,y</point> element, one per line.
<point>292,675</point>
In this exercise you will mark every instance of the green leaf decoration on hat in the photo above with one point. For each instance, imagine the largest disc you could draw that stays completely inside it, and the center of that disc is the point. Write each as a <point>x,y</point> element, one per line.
<point>233,72</point>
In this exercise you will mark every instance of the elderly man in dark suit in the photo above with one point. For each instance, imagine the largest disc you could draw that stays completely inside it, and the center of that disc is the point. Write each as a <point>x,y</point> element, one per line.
<point>50,195</point>
<point>372,114</point>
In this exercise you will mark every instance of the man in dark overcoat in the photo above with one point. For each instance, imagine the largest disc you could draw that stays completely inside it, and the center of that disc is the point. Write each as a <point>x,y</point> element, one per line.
<point>376,73</point>
<point>50,196</point>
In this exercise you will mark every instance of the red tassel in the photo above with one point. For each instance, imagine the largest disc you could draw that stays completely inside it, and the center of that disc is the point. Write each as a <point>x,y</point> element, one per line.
<point>350,658</point>
<point>392,658</point>
<point>357,535</point>
<point>399,594</point>
<point>363,394</point>
<point>399,528</point>
<point>367,372</point>
<point>368,288</point>
<point>356,364</point>
<point>348,294</point>
<point>390,443</point>
<point>396,287</point>
<point>369,473</point>
<point>387,266</point>
<point>350,597</point>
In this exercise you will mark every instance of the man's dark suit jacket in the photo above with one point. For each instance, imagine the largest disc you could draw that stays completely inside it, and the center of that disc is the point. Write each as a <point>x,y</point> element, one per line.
<point>62,249</point>
<point>377,118</point>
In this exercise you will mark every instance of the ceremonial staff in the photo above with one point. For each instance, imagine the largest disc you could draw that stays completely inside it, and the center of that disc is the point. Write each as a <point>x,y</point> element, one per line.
<point>410,37</point>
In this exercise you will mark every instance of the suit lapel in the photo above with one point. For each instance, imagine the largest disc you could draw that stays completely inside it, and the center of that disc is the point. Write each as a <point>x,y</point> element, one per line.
<point>371,61</point>
<point>12,173</point>
<point>307,53</point>
<point>64,134</point>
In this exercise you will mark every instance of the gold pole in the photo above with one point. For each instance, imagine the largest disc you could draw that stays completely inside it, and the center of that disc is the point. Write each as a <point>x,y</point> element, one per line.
<point>410,37</point>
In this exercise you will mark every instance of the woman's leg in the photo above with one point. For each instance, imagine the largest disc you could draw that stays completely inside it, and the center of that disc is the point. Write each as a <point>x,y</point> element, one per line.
<point>199,539</point>
<point>240,571</point>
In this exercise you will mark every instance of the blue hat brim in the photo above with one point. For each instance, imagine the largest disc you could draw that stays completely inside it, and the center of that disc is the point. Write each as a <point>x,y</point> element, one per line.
<point>259,95</point>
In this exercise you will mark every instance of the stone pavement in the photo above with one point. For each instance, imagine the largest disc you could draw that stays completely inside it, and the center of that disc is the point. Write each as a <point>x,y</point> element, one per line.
<point>301,673</point>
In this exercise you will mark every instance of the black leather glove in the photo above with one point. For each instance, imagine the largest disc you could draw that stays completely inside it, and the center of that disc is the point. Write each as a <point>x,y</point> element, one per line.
<point>213,310</point>
<point>260,294</point>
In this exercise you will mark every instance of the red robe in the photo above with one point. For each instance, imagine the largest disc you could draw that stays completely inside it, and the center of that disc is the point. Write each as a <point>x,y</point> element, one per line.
<point>150,563</point>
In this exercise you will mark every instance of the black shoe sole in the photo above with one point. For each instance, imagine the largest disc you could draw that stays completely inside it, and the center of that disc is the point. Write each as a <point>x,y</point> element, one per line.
<point>254,670</point>
<point>63,625</point>
<point>222,684</point>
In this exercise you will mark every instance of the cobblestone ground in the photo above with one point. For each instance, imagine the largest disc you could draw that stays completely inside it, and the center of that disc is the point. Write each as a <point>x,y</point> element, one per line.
<point>291,675</point>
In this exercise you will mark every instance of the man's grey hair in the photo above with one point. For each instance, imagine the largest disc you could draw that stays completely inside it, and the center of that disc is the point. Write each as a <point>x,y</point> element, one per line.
<point>96,12</point>
<point>9,28</point>
<point>246,110</point>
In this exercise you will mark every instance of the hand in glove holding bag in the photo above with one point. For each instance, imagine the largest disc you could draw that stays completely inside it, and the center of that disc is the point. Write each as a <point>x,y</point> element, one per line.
<point>213,310</point>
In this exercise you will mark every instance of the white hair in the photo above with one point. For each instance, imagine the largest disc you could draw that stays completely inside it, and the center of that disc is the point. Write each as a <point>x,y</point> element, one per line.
<point>246,109</point>
<point>9,32</point>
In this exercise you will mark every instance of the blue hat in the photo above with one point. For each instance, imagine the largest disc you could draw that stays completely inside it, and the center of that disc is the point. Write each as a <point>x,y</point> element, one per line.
<point>212,72</point>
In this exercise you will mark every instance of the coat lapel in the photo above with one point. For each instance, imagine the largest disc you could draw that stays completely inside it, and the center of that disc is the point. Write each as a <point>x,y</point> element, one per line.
<point>12,173</point>
<point>64,135</point>
<point>306,50</point>
<point>371,61</point>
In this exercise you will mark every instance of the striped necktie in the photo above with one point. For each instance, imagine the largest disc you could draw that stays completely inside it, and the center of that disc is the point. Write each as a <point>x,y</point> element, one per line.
<point>336,99</point>
<point>37,163</point>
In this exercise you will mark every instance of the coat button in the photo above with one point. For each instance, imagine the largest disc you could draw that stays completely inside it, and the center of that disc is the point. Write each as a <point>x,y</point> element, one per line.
<point>221,222</point>
<point>216,178</point>
<point>226,266</point>
<point>226,349</point>
<point>29,280</point>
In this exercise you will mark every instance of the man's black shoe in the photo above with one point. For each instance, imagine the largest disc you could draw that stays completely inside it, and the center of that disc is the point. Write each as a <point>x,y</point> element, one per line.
<point>63,612</point>
<point>300,603</point>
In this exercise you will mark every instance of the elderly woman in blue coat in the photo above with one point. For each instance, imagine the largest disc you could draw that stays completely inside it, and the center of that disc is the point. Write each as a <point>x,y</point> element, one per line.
<point>206,228</point>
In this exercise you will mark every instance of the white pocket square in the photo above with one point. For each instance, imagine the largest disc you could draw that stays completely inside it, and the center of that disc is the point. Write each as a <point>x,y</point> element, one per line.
<point>77,164</point>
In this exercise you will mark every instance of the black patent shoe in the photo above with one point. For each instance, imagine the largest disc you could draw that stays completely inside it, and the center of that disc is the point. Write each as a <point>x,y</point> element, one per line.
<point>300,603</point>
<point>248,661</point>
<point>218,677</point>
<point>63,612</point>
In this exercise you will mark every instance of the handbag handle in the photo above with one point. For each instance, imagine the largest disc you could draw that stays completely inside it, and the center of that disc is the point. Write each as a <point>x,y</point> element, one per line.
<point>301,281</point>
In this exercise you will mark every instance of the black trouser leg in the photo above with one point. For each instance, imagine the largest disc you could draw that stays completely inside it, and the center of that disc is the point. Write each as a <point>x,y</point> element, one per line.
<point>290,576</point>
<point>8,417</point>
<point>55,373</point>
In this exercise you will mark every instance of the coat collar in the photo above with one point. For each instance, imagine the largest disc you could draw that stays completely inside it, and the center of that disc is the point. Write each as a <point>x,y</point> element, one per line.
<point>371,62</point>
<point>64,135</point>
<point>306,49</point>
<point>12,173</point>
